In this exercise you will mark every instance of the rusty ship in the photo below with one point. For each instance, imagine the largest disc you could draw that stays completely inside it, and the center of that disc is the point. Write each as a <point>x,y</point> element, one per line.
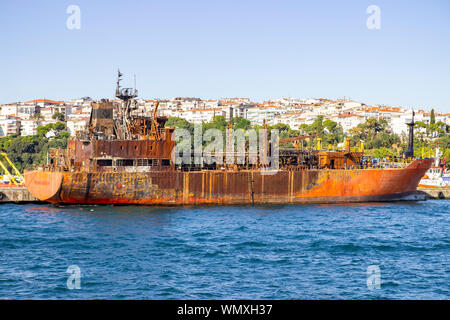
<point>126,158</point>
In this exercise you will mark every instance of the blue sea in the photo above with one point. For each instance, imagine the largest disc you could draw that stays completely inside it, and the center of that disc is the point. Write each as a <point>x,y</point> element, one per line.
<point>362,251</point>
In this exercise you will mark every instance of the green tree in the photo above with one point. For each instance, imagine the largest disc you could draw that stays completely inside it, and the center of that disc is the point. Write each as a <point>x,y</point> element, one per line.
<point>333,132</point>
<point>329,131</point>
<point>58,116</point>
<point>432,117</point>
<point>317,127</point>
<point>25,151</point>
<point>382,152</point>
<point>178,123</point>
<point>240,123</point>
<point>58,127</point>
<point>218,122</point>
<point>375,135</point>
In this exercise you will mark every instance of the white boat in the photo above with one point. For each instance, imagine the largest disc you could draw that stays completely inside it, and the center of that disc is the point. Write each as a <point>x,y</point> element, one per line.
<point>437,176</point>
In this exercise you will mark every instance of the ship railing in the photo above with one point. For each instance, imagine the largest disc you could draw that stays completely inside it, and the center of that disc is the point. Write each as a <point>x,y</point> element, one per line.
<point>386,165</point>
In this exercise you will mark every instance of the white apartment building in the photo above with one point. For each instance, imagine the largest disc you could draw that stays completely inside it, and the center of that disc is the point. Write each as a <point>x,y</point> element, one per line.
<point>80,101</point>
<point>235,100</point>
<point>350,104</point>
<point>9,109</point>
<point>257,115</point>
<point>27,111</point>
<point>236,110</point>
<point>293,120</point>
<point>48,112</point>
<point>42,103</point>
<point>348,120</point>
<point>9,125</point>
<point>22,110</point>
<point>445,119</point>
<point>397,123</point>
<point>285,101</point>
<point>28,127</point>
<point>77,124</point>
<point>210,104</point>
<point>201,115</point>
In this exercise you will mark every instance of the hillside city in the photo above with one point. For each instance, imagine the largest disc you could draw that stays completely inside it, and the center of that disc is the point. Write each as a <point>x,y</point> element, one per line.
<point>24,118</point>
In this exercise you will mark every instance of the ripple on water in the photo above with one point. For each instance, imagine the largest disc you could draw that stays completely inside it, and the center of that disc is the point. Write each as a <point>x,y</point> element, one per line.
<point>281,252</point>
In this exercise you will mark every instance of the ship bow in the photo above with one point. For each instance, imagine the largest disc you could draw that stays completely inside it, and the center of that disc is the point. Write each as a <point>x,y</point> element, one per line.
<point>43,185</point>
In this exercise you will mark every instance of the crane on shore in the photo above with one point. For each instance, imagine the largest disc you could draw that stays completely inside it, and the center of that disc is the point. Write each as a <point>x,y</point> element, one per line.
<point>18,178</point>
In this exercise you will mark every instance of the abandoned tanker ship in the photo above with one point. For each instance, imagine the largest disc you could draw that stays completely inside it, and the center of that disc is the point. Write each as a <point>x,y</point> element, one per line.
<point>124,158</point>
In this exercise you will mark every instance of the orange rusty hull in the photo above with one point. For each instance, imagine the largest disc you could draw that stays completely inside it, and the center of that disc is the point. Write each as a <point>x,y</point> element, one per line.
<point>227,187</point>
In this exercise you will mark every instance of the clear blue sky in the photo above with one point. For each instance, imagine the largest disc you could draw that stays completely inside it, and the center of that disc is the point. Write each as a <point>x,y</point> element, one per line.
<point>211,49</point>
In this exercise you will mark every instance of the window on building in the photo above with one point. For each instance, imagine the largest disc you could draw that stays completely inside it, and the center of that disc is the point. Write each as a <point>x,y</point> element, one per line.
<point>125,162</point>
<point>142,162</point>
<point>104,162</point>
<point>147,162</point>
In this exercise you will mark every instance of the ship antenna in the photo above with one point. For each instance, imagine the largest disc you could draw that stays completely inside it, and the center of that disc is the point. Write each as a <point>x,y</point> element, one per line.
<point>119,76</point>
<point>128,104</point>
<point>124,94</point>
<point>410,152</point>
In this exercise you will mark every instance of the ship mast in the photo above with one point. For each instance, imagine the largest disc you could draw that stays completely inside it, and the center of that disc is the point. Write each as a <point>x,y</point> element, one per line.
<point>128,104</point>
<point>410,152</point>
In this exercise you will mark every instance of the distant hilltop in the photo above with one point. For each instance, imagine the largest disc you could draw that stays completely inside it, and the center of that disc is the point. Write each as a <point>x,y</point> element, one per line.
<point>24,117</point>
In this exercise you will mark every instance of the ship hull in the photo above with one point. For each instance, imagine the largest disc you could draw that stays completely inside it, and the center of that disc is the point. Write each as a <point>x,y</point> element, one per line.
<point>228,187</point>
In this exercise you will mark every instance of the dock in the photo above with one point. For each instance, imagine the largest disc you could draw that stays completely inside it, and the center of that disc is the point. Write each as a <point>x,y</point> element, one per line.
<point>435,192</point>
<point>16,194</point>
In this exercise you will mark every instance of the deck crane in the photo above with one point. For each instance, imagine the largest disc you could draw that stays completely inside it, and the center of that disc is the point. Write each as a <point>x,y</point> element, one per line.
<point>18,179</point>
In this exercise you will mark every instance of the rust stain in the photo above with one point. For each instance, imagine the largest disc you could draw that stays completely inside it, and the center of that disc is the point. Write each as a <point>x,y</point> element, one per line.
<point>226,187</point>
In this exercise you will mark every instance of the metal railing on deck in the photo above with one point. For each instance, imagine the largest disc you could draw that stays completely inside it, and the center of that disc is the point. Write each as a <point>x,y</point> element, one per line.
<point>386,163</point>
